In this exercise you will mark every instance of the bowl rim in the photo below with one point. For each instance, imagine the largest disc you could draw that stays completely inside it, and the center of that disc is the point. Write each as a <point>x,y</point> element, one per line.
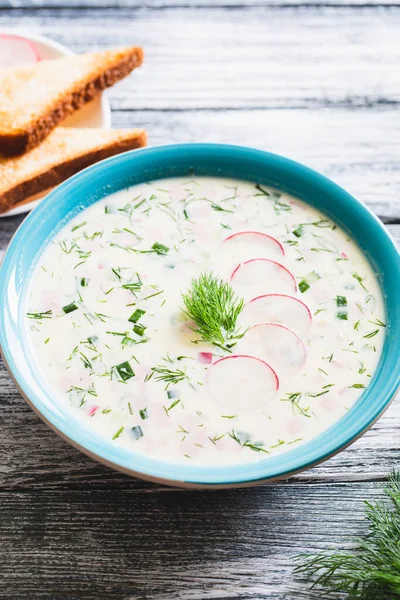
<point>179,474</point>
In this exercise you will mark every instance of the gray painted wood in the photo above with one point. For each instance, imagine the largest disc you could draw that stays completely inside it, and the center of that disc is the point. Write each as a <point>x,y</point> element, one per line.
<point>316,81</point>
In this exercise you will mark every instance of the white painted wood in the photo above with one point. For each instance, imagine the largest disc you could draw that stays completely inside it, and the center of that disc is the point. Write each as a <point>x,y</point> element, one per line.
<point>257,58</point>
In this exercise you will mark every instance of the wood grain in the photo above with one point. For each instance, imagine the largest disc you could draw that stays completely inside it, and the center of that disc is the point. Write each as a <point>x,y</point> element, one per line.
<point>127,543</point>
<point>317,81</point>
<point>261,58</point>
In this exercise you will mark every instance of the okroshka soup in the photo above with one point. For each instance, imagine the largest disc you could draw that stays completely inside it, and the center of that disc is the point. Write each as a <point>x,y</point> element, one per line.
<point>205,320</point>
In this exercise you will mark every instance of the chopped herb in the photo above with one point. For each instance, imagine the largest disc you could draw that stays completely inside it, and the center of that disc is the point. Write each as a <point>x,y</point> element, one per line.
<point>70,308</point>
<point>378,322</point>
<point>139,329</point>
<point>47,341</point>
<point>125,371</point>
<point>174,403</point>
<point>40,315</point>
<point>343,315</point>
<point>137,432</point>
<point>219,208</point>
<point>360,280</point>
<point>169,376</point>
<point>138,314</point>
<point>303,286</point>
<point>358,386</point>
<point>118,433</point>
<point>371,334</point>
<point>298,232</point>
<point>86,362</point>
<point>143,413</point>
<point>229,416</point>
<point>84,282</point>
<point>362,369</point>
<point>106,411</point>
<point>117,273</point>
<point>305,283</point>
<point>78,226</point>
<point>341,301</point>
<point>356,325</point>
<point>152,295</point>
<point>160,248</point>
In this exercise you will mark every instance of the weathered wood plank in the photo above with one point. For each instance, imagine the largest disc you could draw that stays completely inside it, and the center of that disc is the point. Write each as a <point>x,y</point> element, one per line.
<point>192,4</point>
<point>126,544</point>
<point>216,58</point>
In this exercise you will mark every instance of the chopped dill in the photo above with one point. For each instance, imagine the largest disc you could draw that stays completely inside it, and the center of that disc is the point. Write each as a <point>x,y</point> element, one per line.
<point>371,334</point>
<point>40,315</point>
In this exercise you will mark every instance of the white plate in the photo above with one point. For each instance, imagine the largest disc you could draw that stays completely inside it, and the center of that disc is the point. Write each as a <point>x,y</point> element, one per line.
<point>95,114</point>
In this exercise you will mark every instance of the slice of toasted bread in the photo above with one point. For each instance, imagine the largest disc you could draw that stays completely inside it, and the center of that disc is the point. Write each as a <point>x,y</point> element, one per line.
<point>34,98</point>
<point>65,152</point>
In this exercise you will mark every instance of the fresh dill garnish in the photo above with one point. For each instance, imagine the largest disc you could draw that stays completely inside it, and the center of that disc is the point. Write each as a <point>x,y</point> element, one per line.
<point>219,208</point>
<point>357,386</point>
<point>169,376</point>
<point>371,571</point>
<point>356,325</point>
<point>212,305</point>
<point>40,315</point>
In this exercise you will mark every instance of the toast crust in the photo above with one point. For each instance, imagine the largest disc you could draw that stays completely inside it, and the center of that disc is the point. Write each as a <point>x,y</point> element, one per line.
<point>38,182</point>
<point>18,142</point>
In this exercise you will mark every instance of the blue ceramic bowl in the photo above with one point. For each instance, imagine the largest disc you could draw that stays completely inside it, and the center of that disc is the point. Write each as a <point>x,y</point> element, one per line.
<point>181,160</point>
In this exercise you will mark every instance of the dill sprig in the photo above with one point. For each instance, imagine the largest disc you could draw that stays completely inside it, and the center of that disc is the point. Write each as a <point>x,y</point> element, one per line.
<point>212,305</point>
<point>372,570</point>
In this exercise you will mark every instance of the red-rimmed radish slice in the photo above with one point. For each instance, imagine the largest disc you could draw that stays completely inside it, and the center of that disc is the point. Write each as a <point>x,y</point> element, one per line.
<point>253,277</point>
<point>242,382</point>
<point>278,308</point>
<point>276,344</point>
<point>15,50</point>
<point>245,244</point>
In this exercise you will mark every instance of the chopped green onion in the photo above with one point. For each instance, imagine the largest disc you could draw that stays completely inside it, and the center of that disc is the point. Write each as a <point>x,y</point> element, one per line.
<point>84,282</point>
<point>341,301</point>
<point>305,283</point>
<point>125,371</point>
<point>118,433</point>
<point>139,329</point>
<point>138,314</point>
<point>143,414</point>
<point>298,232</point>
<point>342,314</point>
<point>160,248</point>
<point>137,432</point>
<point>303,286</point>
<point>70,308</point>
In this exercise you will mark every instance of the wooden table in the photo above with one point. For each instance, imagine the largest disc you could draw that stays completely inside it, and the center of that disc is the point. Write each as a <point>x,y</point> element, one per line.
<point>318,82</point>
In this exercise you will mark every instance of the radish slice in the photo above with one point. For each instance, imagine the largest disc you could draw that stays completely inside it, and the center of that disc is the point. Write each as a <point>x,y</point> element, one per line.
<point>245,244</point>
<point>15,50</point>
<point>278,308</point>
<point>277,344</point>
<point>259,274</point>
<point>242,382</point>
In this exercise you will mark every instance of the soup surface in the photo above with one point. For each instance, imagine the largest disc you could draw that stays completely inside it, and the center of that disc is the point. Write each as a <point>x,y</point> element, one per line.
<point>205,319</point>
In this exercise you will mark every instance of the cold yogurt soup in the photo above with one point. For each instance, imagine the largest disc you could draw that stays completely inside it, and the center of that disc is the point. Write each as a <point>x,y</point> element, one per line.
<point>205,320</point>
